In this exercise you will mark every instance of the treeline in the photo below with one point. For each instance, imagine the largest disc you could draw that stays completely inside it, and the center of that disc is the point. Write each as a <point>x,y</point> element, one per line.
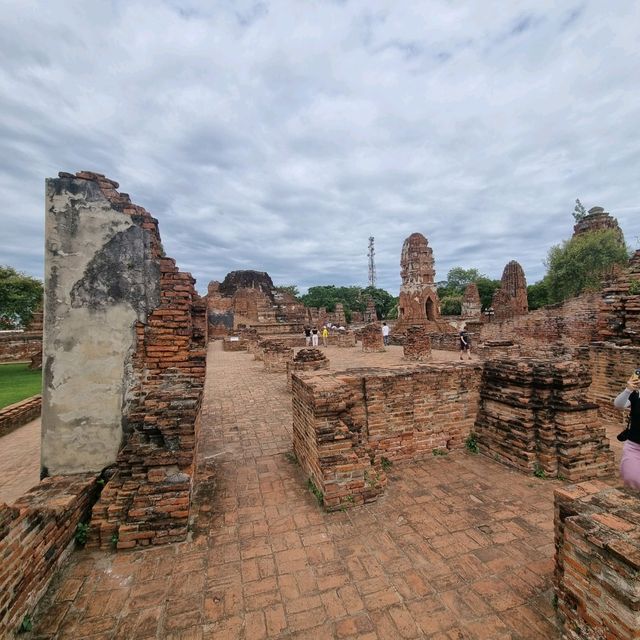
<point>20,296</point>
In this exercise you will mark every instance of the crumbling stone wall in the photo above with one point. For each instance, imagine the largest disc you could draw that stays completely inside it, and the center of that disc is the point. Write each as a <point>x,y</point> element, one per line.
<point>535,416</point>
<point>345,423</point>
<point>597,220</point>
<point>471,305</point>
<point>126,331</point>
<point>36,534</point>
<point>597,562</point>
<point>234,343</point>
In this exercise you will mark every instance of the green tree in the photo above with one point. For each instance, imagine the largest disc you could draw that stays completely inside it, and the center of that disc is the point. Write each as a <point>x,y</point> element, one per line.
<point>451,305</point>
<point>383,300</point>
<point>579,212</point>
<point>581,263</point>
<point>458,279</point>
<point>538,294</point>
<point>20,296</point>
<point>291,289</point>
<point>486,288</point>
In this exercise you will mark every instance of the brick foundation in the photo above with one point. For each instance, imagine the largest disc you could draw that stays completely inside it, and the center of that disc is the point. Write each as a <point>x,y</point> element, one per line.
<point>534,415</point>
<point>306,360</point>
<point>18,414</point>
<point>345,423</point>
<point>276,356</point>
<point>498,349</point>
<point>372,339</point>
<point>18,346</point>
<point>417,344</point>
<point>597,563</point>
<point>36,535</point>
<point>344,339</point>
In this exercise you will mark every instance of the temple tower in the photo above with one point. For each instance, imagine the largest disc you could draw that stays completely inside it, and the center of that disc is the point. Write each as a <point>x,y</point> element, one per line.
<point>471,305</point>
<point>419,303</point>
<point>511,299</point>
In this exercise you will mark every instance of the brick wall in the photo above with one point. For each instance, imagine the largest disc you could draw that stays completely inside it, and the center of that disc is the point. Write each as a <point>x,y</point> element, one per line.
<point>597,562</point>
<point>276,356</point>
<point>345,423</point>
<point>552,331</point>
<point>535,415</point>
<point>36,534</point>
<point>18,346</point>
<point>15,415</point>
<point>228,344</point>
<point>146,499</point>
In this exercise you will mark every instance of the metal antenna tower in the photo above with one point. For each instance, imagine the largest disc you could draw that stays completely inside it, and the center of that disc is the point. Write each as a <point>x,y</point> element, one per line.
<point>372,263</point>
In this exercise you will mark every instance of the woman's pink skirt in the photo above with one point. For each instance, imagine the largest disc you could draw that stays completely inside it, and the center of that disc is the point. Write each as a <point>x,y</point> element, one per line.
<point>630,465</point>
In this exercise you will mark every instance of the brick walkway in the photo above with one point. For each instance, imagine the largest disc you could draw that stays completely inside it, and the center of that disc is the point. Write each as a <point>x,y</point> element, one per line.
<point>19,461</point>
<point>458,548</point>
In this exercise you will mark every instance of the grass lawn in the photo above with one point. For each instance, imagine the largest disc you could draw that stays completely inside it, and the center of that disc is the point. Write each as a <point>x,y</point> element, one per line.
<point>18,382</point>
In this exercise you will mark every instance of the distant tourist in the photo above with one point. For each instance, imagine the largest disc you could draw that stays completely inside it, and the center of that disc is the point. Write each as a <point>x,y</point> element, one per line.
<point>465,344</point>
<point>325,335</point>
<point>314,336</point>
<point>385,333</point>
<point>307,336</point>
<point>630,461</point>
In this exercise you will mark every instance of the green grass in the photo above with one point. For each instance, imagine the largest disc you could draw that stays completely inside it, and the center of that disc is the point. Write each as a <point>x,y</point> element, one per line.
<point>18,382</point>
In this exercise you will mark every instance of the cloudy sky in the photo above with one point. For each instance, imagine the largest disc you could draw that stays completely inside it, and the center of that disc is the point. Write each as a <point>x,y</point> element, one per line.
<point>280,135</point>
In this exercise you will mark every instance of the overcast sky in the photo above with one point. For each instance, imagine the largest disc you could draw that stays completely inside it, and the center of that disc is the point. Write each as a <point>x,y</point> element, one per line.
<point>279,136</point>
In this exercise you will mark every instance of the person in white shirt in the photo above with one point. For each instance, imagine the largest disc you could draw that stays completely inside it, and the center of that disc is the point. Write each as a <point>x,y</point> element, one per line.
<point>385,333</point>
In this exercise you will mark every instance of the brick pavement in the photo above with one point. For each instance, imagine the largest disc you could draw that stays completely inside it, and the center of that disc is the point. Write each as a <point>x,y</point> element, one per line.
<point>459,547</point>
<point>19,461</point>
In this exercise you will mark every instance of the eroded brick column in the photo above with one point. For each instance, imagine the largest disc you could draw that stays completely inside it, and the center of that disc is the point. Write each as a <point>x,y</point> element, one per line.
<point>372,339</point>
<point>417,344</point>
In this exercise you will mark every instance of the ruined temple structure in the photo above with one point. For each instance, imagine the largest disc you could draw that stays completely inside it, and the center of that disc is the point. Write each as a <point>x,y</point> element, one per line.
<point>370,314</point>
<point>419,301</point>
<point>511,299</point>
<point>372,339</point>
<point>306,360</point>
<point>471,305</point>
<point>597,219</point>
<point>417,344</point>
<point>249,298</point>
<point>124,357</point>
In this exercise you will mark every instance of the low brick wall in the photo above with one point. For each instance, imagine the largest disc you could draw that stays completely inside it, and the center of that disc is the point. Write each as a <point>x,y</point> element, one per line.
<point>36,533</point>
<point>497,349</point>
<point>597,562</point>
<point>16,346</point>
<point>15,415</point>
<point>345,423</point>
<point>343,339</point>
<point>229,344</point>
<point>551,331</point>
<point>276,356</point>
<point>535,416</point>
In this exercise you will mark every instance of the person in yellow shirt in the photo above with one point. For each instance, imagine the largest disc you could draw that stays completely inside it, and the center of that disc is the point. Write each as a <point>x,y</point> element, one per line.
<point>325,336</point>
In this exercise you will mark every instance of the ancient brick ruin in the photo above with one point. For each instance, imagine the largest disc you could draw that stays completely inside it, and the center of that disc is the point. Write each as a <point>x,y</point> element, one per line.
<point>276,356</point>
<point>418,302</point>
<point>534,415</point>
<point>597,573</point>
<point>345,423</point>
<point>471,305</point>
<point>597,219</point>
<point>511,299</point>
<point>125,328</point>
<point>306,360</point>
<point>370,314</point>
<point>372,338</point>
<point>417,344</point>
